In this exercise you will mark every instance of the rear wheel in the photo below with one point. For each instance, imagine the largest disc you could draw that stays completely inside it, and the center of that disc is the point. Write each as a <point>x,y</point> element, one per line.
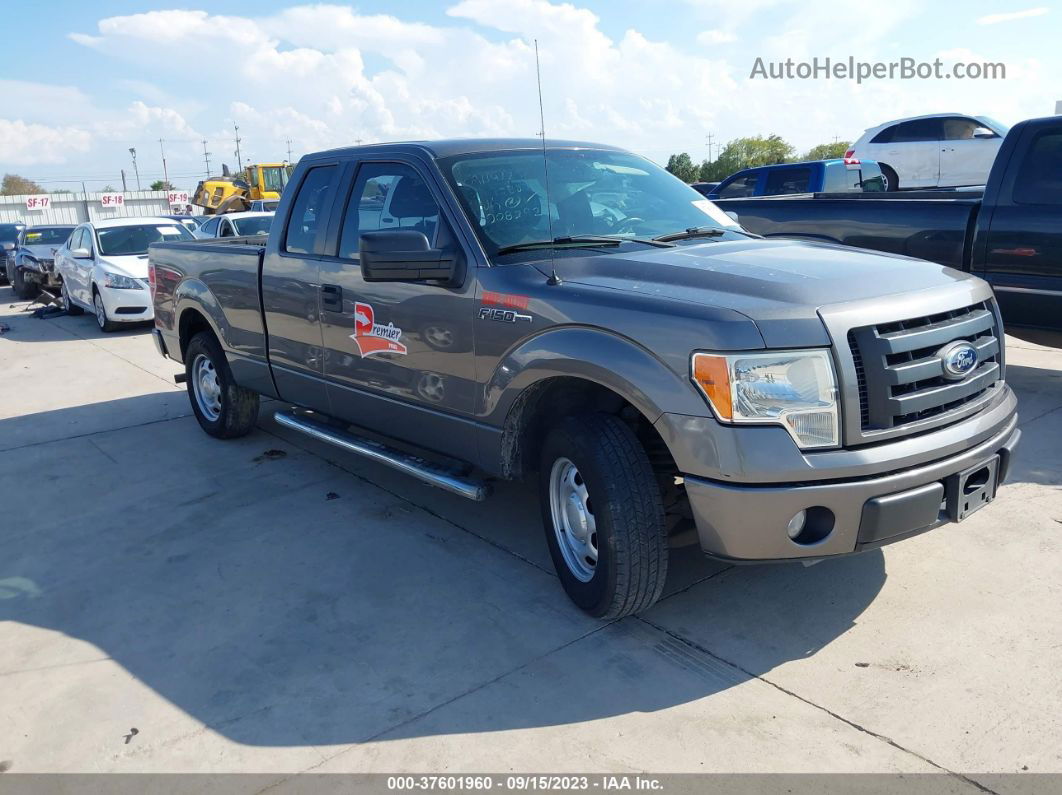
<point>603,516</point>
<point>23,289</point>
<point>222,407</point>
<point>892,182</point>
<point>104,322</point>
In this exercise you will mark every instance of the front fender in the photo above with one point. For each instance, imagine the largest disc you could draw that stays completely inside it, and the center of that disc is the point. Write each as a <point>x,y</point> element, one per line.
<point>596,355</point>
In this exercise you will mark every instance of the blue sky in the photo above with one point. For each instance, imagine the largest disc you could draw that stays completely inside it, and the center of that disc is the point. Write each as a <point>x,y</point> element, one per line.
<point>83,82</point>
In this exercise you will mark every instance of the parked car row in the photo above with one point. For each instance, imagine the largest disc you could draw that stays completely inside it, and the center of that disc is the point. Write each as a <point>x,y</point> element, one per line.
<point>101,266</point>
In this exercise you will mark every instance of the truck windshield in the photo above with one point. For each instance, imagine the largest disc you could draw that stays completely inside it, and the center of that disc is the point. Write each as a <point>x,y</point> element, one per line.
<point>591,192</point>
<point>117,241</point>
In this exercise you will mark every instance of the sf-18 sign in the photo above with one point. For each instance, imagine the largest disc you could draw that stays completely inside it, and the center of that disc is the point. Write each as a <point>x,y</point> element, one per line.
<point>112,200</point>
<point>40,202</point>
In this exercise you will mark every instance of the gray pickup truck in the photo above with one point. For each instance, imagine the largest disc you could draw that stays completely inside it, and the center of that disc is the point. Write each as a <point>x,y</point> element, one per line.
<point>437,308</point>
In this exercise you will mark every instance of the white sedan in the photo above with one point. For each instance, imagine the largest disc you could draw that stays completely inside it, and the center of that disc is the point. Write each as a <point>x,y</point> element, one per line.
<point>938,150</point>
<point>245,224</point>
<point>104,268</point>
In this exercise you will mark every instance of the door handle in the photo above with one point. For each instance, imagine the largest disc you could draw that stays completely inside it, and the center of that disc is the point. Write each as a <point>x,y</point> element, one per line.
<point>332,297</point>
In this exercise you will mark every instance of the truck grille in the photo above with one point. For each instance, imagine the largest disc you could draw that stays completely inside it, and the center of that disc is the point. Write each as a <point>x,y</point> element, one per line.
<point>900,376</point>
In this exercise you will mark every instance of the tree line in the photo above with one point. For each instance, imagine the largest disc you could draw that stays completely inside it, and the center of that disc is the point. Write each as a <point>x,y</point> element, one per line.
<point>748,153</point>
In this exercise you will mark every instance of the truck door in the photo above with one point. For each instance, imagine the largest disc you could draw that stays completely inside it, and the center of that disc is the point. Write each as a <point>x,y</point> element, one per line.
<point>914,153</point>
<point>1023,242</point>
<point>399,355</point>
<point>291,288</point>
<point>967,149</point>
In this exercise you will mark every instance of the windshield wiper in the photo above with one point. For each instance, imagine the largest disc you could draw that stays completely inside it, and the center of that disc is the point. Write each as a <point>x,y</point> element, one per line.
<point>693,231</point>
<point>581,241</point>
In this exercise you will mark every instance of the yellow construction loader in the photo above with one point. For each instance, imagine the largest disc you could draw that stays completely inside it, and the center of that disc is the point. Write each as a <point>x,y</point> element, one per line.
<point>235,192</point>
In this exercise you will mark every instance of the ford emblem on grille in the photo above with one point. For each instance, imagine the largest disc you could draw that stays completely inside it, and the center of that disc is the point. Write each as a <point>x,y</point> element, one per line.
<point>958,359</point>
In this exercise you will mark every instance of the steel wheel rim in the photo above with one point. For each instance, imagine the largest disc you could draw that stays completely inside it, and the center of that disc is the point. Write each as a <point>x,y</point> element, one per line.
<point>574,524</point>
<point>101,310</point>
<point>207,387</point>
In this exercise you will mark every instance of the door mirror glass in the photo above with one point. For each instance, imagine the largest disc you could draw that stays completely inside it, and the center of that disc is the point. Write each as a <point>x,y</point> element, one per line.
<point>81,253</point>
<point>983,132</point>
<point>403,255</point>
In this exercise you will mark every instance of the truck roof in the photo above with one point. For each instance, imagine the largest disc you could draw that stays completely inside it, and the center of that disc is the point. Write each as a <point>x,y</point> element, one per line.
<point>463,146</point>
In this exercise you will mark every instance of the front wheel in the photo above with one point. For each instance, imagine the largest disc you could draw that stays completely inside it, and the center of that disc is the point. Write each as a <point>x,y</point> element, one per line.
<point>892,182</point>
<point>223,408</point>
<point>603,516</point>
<point>104,322</point>
<point>23,289</point>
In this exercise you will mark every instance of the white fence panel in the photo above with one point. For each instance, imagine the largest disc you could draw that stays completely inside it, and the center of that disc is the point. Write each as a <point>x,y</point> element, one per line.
<point>76,208</point>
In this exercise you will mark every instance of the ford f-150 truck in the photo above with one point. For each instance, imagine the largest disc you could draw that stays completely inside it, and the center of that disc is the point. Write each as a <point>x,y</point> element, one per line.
<point>1011,235</point>
<point>611,332</point>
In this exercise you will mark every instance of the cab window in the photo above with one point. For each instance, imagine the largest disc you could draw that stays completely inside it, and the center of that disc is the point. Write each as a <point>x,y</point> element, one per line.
<point>309,209</point>
<point>387,196</point>
<point>1039,181</point>
<point>917,130</point>
<point>740,187</point>
<point>787,180</point>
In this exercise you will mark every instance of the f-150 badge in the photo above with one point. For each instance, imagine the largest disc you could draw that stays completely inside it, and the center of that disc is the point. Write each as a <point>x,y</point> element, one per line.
<point>372,338</point>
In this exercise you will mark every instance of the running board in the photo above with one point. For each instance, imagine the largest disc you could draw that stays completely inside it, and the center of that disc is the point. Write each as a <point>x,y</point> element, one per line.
<point>433,474</point>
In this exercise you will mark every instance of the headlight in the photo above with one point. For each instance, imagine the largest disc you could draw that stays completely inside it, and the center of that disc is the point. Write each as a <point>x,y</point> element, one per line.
<point>119,282</point>
<point>794,389</point>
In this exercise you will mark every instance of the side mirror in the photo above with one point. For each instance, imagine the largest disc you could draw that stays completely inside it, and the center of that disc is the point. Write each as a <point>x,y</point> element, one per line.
<point>81,253</point>
<point>9,246</point>
<point>733,216</point>
<point>403,255</point>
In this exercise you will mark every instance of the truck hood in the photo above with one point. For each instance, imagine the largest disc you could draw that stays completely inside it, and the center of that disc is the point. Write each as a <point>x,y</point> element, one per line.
<point>779,284</point>
<point>134,265</point>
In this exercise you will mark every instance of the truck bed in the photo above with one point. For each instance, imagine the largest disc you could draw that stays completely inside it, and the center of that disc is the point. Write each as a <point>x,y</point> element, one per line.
<point>932,225</point>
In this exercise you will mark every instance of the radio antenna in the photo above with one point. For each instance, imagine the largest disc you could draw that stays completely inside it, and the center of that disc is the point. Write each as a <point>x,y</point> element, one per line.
<point>554,279</point>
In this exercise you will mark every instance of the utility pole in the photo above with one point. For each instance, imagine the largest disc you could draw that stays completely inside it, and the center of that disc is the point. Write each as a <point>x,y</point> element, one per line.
<point>289,150</point>
<point>165,173</point>
<point>711,140</point>
<point>206,157</point>
<point>124,188</point>
<point>132,151</point>
<point>239,162</point>
<point>357,141</point>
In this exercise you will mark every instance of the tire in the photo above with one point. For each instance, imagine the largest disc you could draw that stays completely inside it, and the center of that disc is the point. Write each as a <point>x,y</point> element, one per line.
<point>68,303</point>
<point>105,323</point>
<point>614,497</point>
<point>23,289</point>
<point>892,182</point>
<point>224,409</point>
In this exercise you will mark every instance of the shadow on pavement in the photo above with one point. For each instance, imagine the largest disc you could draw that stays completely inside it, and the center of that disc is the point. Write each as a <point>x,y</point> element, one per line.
<point>281,601</point>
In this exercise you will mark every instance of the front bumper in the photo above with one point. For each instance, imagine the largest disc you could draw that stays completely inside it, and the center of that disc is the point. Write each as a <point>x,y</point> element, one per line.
<point>747,521</point>
<point>127,306</point>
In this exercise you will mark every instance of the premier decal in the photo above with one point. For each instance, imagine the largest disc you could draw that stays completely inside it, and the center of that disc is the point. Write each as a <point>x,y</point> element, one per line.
<point>372,338</point>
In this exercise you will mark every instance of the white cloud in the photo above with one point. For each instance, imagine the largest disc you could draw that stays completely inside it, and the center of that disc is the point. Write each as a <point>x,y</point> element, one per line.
<point>1009,16</point>
<point>33,144</point>
<point>710,37</point>
<point>326,75</point>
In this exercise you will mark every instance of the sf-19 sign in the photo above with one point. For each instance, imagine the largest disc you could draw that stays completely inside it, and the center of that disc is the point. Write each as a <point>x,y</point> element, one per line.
<point>178,197</point>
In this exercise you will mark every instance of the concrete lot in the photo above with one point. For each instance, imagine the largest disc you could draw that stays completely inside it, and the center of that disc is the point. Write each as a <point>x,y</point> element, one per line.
<point>169,602</point>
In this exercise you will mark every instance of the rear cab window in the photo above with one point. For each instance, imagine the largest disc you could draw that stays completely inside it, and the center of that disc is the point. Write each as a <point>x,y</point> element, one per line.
<point>781,181</point>
<point>310,209</point>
